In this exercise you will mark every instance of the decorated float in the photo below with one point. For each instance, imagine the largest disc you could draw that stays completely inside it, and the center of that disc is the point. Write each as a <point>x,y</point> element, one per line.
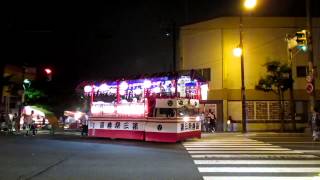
<point>161,108</point>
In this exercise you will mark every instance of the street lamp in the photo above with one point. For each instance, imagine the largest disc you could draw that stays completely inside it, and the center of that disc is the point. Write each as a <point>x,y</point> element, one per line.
<point>237,52</point>
<point>249,5</point>
<point>25,84</point>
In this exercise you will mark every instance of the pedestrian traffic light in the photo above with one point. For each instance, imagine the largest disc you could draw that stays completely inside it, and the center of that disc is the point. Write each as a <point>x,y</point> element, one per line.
<point>301,38</point>
<point>48,72</point>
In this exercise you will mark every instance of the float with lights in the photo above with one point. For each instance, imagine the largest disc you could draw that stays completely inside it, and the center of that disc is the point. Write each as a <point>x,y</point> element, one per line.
<point>161,108</point>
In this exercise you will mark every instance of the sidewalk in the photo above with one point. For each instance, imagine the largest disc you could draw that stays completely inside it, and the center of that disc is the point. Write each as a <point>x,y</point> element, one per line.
<point>47,132</point>
<point>256,134</point>
<point>61,132</point>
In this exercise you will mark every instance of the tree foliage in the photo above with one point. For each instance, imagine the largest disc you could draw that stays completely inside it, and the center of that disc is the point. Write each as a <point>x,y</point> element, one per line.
<point>32,94</point>
<point>277,79</point>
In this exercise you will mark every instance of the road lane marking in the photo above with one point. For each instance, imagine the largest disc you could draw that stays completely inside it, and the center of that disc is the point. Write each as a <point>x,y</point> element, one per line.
<point>270,156</point>
<point>288,142</point>
<point>244,152</point>
<point>234,145</point>
<point>258,178</point>
<point>236,148</point>
<point>235,161</point>
<point>229,146</point>
<point>264,156</point>
<point>259,169</point>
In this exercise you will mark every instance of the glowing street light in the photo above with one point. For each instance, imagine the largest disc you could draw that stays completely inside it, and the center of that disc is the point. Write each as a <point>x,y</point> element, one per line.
<point>250,4</point>
<point>237,52</point>
<point>26,81</point>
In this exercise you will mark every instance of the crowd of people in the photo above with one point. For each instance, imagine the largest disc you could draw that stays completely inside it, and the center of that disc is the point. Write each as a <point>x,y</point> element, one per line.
<point>208,121</point>
<point>9,124</point>
<point>24,124</point>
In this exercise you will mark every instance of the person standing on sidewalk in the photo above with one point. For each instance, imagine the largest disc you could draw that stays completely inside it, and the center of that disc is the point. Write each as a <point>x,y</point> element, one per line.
<point>84,122</point>
<point>212,121</point>
<point>16,121</point>
<point>230,124</point>
<point>28,122</point>
<point>316,125</point>
<point>203,121</point>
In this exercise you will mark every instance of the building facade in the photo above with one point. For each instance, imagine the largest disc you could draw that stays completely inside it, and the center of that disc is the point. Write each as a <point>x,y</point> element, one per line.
<point>12,89</point>
<point>208,46</point>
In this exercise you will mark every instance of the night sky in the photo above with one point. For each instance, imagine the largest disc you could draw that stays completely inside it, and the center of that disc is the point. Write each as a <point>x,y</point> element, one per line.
<point>97,40</point>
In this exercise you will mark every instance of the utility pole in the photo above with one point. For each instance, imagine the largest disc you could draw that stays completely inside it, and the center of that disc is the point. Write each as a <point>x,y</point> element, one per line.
<point>243,88</point>
<point>312,68</point>
<point>292,102</point>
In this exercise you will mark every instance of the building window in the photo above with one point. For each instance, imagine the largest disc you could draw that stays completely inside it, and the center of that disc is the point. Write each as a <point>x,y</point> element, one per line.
<point>262,110</point>
<point>250,109</point>
<point>302,71</point>
<point>101,124</point>
<point>206,73</point>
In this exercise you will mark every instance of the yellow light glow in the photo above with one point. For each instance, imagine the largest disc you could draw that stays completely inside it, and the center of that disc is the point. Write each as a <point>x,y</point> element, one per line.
<point>237,52</point>
<point>250,4</point>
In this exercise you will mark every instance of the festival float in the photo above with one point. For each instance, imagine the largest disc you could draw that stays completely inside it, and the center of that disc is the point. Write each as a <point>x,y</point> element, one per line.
<point>160,108</point>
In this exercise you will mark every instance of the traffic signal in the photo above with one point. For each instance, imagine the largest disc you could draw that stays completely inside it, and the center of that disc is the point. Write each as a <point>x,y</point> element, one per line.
<point>48,72</point>
<point>301,38</point>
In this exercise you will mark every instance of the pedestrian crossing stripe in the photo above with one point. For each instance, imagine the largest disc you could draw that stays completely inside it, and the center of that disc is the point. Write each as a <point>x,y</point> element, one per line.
<point>260,169</point>
<point>308,151</point>
<point>260,156</point>
<point>234,159</point>
<point>244,152</point>
<point>263,162</point>
<point>225,141</point>
<point>259,178</point>
<point>231,145</point>
<point>235,148</point>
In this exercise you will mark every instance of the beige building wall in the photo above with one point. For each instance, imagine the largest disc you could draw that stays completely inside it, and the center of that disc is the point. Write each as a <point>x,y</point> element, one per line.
<point>209,44</point>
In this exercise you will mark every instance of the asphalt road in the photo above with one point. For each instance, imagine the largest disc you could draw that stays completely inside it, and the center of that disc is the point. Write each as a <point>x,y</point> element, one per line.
<point>72,157</point>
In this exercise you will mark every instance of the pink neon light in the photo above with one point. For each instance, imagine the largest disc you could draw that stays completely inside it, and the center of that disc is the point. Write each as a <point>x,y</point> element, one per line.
<point>87,89</point>
<point>135,109</point>
<point>130,109</point>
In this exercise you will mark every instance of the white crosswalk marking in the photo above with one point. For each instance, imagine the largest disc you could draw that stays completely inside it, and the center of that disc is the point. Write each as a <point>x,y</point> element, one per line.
<point>258,169</point>
<point>245,159</point>
<point>235,161</point>
<point>261,156</point>
<point>258,178</point>
<point>244,152</point>
<point>239,149</point>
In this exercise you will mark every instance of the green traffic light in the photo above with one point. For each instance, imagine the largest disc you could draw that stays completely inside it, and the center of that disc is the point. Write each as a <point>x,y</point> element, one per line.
<point>301,38</point>
<point>304,48</point>
<point>26,81</point>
